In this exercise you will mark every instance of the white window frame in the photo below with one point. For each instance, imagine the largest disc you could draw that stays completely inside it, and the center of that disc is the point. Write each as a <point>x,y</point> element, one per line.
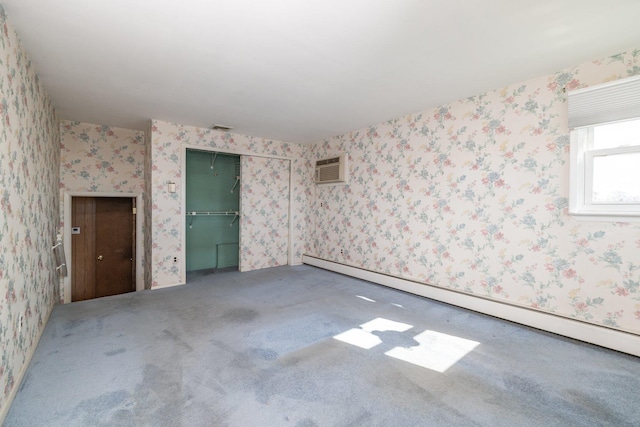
<point>603,104</point>
<point>581,204</point>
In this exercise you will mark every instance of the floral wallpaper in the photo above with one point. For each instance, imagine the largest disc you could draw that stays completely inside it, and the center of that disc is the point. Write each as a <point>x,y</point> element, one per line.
<point>165,163</point>
<point>101,158</point>
<point>473,196</point>
<point>29,159</point>
<point>264,221</point>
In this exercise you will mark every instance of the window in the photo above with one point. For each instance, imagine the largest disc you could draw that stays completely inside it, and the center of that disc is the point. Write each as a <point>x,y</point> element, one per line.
<point>605,151</point>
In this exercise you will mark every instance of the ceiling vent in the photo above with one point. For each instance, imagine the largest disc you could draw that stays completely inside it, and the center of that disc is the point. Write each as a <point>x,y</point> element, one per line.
<point>332,170</point>
<point>220,127</point>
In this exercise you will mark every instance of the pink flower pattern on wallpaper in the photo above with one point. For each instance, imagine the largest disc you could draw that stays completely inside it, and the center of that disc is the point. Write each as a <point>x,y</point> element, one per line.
<point>101,158</point>
<point>264,225</point>
<point>29,159</point>
<point>473,196</point>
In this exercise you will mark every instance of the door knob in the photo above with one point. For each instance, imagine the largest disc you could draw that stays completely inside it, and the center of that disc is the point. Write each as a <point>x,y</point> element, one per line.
<point>100,257</point>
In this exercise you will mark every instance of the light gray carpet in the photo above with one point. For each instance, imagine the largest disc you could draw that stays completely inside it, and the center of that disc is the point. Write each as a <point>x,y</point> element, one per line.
<point>257,349</point>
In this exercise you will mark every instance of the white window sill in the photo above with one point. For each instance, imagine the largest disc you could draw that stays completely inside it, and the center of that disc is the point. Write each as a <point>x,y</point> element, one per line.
<point>606,216</point>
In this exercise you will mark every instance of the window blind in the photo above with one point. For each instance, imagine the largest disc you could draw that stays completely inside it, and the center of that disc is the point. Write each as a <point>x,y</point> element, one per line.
<point>609,102</point>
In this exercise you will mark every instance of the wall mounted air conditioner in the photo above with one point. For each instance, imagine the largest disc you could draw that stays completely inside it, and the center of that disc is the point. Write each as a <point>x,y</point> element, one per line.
<point>332,170</point>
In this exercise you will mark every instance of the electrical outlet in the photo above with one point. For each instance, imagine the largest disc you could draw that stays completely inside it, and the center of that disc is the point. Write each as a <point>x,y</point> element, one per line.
<point>341,251</point>
<point>321,204</point>
<point>175,259</point>
<point>20,322</point>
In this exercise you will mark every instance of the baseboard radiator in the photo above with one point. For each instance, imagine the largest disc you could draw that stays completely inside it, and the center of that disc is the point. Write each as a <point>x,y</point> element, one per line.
<point>599,335</point>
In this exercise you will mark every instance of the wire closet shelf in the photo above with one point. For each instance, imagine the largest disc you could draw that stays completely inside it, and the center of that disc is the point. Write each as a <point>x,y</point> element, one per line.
<point>193,214</point>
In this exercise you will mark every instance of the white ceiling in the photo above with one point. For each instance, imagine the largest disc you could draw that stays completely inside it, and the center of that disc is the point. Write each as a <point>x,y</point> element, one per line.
<point>301,70</point>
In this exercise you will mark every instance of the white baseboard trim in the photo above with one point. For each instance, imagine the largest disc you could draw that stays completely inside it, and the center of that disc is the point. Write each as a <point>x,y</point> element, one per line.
<point>605,337</point>
<point>23,370</point>
<point>170,285</point>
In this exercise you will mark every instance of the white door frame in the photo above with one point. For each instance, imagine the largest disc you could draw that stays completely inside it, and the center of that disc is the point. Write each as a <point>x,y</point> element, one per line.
<point>183,201</point>
<point>66,232</point>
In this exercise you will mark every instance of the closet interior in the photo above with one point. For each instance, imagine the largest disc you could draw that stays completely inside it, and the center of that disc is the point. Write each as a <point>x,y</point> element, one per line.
<point>212,211</point>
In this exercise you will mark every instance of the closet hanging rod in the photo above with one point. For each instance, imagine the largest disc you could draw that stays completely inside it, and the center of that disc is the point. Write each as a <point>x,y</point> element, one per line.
<point>235,214</point>
<point>205,213</point>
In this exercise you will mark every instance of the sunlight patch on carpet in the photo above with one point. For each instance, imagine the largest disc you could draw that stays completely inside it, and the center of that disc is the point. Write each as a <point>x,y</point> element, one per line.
<point>435,350</point>
<point>364,338</point>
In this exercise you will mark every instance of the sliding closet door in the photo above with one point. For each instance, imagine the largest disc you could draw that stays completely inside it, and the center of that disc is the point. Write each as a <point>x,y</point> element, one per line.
<point>264,226</point>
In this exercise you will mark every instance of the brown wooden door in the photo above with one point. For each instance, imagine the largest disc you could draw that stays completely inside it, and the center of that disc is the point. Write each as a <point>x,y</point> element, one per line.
<point>103,247</point>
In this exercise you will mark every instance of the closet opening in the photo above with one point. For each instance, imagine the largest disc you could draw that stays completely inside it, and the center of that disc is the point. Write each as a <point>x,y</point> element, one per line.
<point>212,196</point>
